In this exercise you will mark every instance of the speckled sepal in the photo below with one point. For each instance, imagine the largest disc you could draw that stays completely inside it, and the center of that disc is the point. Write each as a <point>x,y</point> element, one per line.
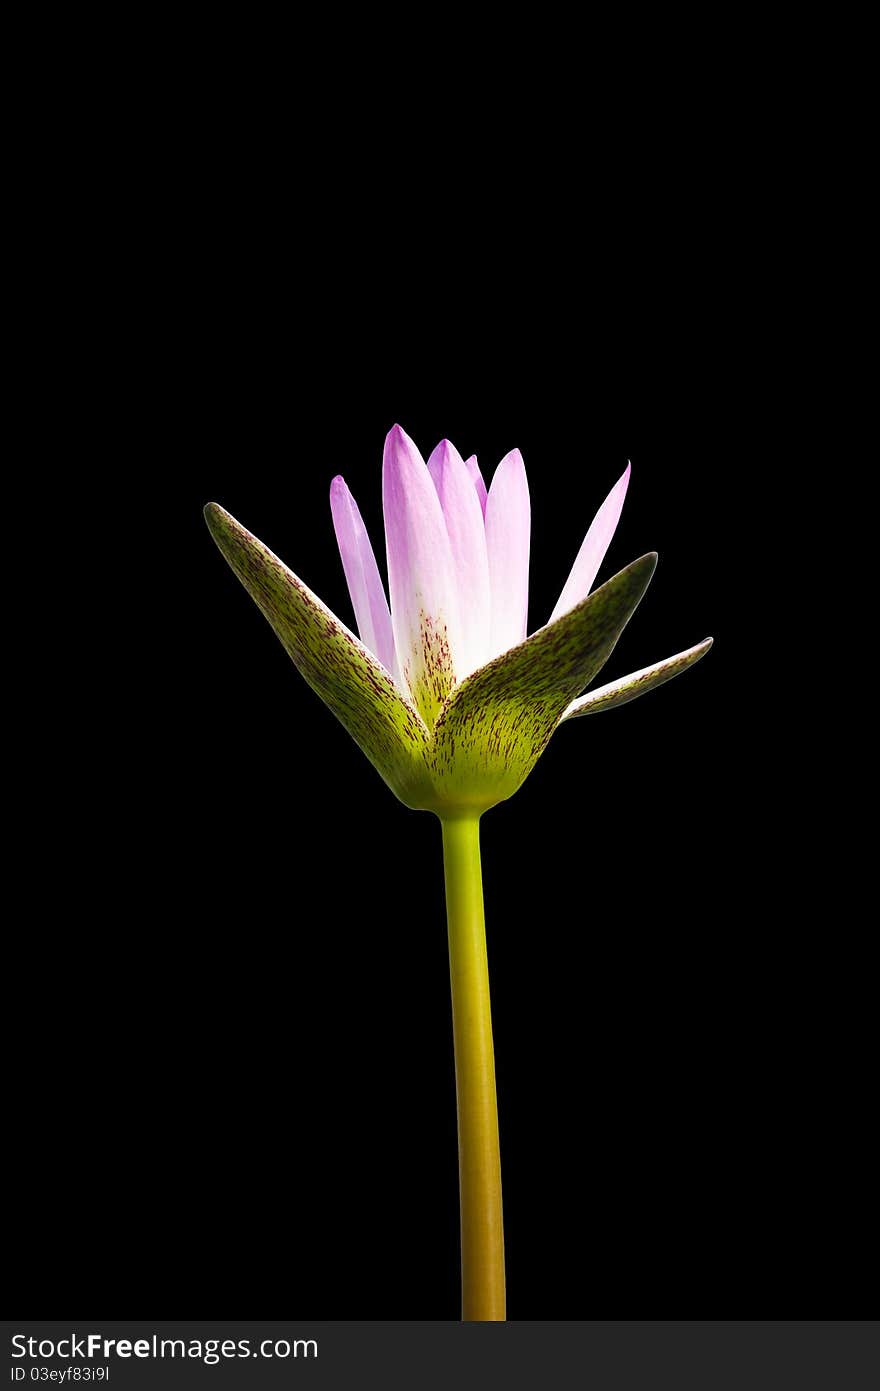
<point>637,683</point>
<point>358,690</point>
<point>497,723</point>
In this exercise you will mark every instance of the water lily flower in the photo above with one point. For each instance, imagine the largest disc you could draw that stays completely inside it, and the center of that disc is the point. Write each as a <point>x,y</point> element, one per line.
<point>454,703</point>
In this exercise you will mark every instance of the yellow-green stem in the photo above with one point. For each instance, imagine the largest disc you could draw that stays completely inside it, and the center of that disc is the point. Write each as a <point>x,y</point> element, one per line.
<point>479,1162</point>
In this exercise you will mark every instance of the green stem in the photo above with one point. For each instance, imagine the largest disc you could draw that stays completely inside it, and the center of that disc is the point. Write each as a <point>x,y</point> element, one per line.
<point>479,1162</point>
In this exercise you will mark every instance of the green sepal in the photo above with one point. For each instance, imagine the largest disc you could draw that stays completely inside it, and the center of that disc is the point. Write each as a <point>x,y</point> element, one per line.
<point>494,726</point>
<point>347,677</point>
<point>636,684</point>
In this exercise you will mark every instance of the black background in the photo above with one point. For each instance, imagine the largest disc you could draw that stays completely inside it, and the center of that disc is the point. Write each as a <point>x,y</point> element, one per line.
<point>234,1086</point>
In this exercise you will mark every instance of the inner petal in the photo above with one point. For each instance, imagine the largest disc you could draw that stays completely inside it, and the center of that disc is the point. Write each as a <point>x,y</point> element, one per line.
<point>362,576</point>
<point>508,532</point>
<point>593,548</point>
<point>467,538</point>
<point>421,577</point>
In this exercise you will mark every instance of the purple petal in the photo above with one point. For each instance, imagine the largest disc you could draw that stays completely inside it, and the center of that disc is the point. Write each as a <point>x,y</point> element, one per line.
<point>421,576</point>
<point>362,576</point>
<point>508,527</point>
<point>592,552</point>
<point>473,469</point>
<point>467,538</point>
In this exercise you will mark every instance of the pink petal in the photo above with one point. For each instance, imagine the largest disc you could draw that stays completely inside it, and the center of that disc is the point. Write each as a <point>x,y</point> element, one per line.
<point>592,552</point>
<point>473,469</point>
<point>362,575</point>
<point>467,538</point>
<point>421,576</point>
<point>508,527</point>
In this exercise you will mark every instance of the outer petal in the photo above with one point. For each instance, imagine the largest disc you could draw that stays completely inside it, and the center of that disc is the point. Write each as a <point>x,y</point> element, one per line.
<point>593,548</point>
<point>497,723</point>
<point>362,576</point>
<point>637,683</point>
<point>467,537</point>
<point>508,528</point>
<point>345,675</point>
<point>473,469</point>
<point>421,577</point>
